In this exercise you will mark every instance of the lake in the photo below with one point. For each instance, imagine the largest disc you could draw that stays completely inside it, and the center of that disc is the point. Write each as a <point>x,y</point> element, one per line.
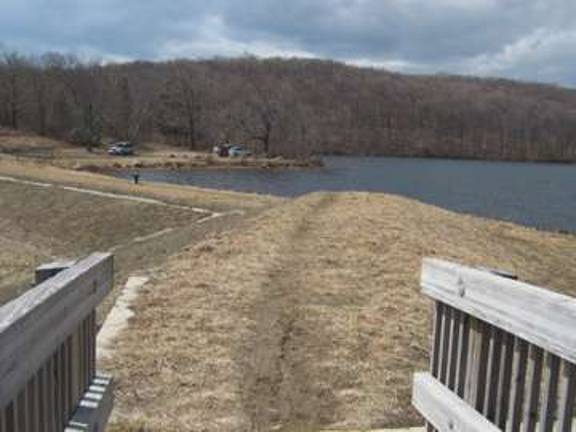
<point>539,195</point>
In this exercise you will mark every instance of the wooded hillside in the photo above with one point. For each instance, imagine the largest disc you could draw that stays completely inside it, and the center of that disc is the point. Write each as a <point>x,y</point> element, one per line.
<point>290,107</point>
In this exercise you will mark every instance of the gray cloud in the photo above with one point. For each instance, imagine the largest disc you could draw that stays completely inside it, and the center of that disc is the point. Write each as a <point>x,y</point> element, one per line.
<point>526,39</point>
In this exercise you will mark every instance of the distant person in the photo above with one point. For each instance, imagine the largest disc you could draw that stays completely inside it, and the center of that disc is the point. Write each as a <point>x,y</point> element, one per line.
<point>224,150</point>
<point>136,177</point>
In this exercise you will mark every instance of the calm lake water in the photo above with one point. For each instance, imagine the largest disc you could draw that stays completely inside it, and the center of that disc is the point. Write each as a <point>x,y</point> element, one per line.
<point>538,195</point>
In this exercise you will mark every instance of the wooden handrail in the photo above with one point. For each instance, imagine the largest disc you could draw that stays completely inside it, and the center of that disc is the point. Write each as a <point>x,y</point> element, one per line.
<point>540,316</point>
<point>504,348</point>
<point>48,346</point>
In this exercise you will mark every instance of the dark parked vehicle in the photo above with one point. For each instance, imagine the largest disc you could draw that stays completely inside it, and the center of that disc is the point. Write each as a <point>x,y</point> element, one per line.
<point>231,150</point>
<point>122,148</point>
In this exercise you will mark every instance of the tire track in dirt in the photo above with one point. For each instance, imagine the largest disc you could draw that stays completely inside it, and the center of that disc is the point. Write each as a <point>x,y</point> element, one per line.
<point>280,390</point>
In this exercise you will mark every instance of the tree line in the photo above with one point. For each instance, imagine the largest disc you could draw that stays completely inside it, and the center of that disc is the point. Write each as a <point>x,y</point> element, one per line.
<point>289,107</point>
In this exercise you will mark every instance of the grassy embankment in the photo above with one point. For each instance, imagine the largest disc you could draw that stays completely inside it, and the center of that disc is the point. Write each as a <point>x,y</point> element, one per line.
<point>311,318</point>
<point>298,315</point>
<point>40,223</point>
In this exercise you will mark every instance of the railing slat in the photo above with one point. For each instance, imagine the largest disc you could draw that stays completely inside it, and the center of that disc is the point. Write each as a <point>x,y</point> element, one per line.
<point>436,338</point>
<point>477,359</point>
<point>10,412</point>
<point>518,382</point>
<point>462,362</point>
<point>58,387</point>
<point>41,398</point>
<point>445,344</point>
<point>84,379</point>
<point>504,380</point>
<point>533,382</point>
<point>493,373</point>
<point>485,331</point>
<point>20,410</point>
<point>474,352</point>
<point>550,388</point>
<point>50,396</point>
<point>453,349</point>
<point>67,372</point>
<point>566,399</point>
<point>32,413</point>
<point>92,345</point>
<point>75,367</point>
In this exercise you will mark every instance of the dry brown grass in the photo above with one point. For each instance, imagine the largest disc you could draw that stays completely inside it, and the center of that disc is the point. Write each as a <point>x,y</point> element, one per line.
<point>186,195</point>
<point>17,261</point>
<point>16,140</point>
<point>308,317</point>
<point>39,224</point>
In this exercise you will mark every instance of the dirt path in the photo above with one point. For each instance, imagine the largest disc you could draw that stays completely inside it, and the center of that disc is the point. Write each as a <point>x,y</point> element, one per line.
<point>277,383</point>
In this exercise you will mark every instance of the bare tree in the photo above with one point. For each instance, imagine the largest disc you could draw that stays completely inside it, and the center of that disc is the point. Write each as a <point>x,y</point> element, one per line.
<point>287,107</point>
<point>182,103</point>
<point>13,70</point>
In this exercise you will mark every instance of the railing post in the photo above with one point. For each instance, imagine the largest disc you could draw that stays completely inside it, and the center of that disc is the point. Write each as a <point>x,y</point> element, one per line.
<point>46,271</point>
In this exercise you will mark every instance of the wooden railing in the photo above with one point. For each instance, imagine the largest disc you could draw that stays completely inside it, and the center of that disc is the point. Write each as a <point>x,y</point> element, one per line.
<point>503,356</point>
<point>48,379</point>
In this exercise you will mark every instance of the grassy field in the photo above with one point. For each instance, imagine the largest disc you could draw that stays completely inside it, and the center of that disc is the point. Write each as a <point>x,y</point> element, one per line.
<point>308,317</point>
<point>41,224</point>
<point>47,213</point>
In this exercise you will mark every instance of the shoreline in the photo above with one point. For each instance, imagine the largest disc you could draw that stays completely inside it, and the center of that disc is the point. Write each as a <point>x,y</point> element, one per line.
<point>182,162</point>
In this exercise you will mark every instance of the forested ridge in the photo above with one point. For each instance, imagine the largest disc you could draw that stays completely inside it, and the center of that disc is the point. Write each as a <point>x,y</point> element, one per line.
<point>290,107</point>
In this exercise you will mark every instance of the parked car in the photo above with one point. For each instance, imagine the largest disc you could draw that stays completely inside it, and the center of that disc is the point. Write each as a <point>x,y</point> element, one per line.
<point>122,148</point>
<point>231,150</point>
<point>238,151</point>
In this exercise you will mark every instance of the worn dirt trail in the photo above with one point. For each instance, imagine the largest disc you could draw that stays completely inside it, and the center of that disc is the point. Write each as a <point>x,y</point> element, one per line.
<point>280,386</point>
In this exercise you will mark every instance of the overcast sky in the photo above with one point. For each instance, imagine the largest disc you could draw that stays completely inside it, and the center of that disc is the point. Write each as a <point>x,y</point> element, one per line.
<point>527,39</point>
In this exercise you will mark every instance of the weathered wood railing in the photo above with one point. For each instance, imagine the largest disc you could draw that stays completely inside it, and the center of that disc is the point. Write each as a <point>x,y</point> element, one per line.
<point>48,379</point>
<point>503,356</point>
